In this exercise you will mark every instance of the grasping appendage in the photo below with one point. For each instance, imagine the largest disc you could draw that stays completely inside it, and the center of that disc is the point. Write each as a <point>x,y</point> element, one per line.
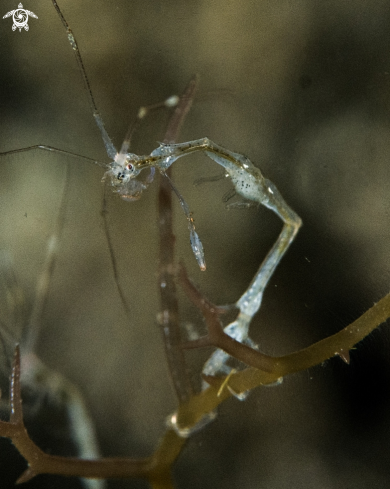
<point>249,183</point>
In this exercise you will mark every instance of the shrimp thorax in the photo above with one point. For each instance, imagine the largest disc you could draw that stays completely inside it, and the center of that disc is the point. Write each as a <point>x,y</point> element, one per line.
<point>123,169</point>
<point>122,173</point>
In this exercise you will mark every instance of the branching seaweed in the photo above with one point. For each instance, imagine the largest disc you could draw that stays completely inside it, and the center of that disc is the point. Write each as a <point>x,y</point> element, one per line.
<point>157,468</point>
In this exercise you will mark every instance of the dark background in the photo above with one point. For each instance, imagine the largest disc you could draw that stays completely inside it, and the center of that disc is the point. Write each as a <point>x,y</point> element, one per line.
<point>303,89</point>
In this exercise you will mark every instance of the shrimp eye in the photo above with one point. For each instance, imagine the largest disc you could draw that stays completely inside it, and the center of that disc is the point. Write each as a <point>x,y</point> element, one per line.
<point>120,176</point>
<point>130,166</point>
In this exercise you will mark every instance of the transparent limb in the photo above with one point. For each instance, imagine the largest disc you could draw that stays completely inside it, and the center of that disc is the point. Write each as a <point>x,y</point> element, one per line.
<point>195,241</point>
<point>213,178</point>
<point>229,195</point>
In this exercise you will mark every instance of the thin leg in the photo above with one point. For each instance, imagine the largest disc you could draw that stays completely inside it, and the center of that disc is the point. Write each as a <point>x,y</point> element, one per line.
<point>249,302</point>
<point>213,178</point>
<point>112,254</point>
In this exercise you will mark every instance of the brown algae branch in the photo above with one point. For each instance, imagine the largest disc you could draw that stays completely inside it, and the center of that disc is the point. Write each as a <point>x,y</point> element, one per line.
<point>224,387</point>
<point>337,344</point>
<point>156,468</point>
<point>152,468</point>
<point>169,315</point>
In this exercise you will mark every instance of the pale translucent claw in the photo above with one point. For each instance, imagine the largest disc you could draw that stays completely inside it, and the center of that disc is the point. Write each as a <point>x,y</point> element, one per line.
<point>197,248</point>
<point>195,241</point>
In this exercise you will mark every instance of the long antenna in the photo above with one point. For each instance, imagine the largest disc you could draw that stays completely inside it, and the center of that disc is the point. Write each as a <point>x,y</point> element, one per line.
<point>110,148</point>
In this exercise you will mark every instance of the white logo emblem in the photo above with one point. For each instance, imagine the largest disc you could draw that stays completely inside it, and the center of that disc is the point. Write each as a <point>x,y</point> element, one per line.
<point>20,18</point>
